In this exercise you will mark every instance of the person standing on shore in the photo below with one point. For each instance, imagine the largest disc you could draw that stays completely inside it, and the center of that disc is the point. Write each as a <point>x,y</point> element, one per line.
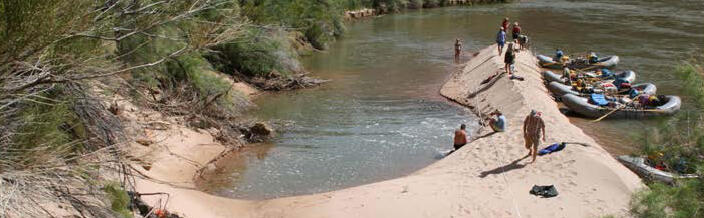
<point>505,24</point>
<point>509,59</point>
<point>501,39</point>
<point>458,50</point>
<point>460,137</point>
<point>516,31</point>
<point>532,126</point>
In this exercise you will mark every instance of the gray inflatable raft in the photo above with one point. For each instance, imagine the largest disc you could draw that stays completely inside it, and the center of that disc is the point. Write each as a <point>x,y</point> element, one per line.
<point>582,106</point>
<point>638,165</point>
<point>607,62</point>
<point>559,89</point>
<point>547,62</point>
<point>627,75</point>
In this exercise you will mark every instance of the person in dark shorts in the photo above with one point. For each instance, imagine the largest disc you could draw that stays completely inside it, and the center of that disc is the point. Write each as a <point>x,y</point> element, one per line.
<point>460,137</point>
<point>509,59</point>
<point>516,31</point>
<point>523,41</point>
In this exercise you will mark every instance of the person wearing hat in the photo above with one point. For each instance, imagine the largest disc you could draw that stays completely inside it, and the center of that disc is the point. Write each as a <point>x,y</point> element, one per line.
<point>533,125</point>
<point>497,122</point>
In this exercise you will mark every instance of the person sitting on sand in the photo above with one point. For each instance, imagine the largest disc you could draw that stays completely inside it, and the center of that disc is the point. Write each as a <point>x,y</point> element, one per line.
<point>501,39</point>
<point>532,126</point>
<point>497,122</point>
<point>458,49</point>
<point>509,59</point>
<point>460,137</point>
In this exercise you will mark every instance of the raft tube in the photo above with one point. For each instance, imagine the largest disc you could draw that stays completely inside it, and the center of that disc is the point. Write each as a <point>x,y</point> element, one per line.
<point>607,62</point>
<point>559,89</point>
<point>638,165</point>
<point>626,75</point>
<point>581,105</point>
<point>547,62</point>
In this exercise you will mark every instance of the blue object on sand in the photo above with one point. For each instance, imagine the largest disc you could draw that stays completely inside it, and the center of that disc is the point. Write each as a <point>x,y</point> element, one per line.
<point>552,148</point>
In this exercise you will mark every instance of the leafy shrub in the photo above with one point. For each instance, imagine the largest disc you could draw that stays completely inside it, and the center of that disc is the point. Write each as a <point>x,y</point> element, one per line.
<point>258,53</point>
<point>119,200</point>
<point>679,143</point>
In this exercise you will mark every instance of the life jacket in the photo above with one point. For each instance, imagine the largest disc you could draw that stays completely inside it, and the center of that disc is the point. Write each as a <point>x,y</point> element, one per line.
<point>593,58</point>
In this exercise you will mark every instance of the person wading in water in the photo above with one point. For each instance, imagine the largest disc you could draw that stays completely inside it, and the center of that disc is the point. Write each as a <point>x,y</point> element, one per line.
<point>532,126</point>
<point>458,50</point>
<point>460,137</point>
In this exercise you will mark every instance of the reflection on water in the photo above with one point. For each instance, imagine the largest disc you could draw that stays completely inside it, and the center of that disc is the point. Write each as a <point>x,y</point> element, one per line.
<point>381,116</point>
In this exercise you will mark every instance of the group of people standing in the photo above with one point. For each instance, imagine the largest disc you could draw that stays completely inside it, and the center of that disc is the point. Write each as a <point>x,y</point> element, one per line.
<point>517,39</point>
<point>533,125</point>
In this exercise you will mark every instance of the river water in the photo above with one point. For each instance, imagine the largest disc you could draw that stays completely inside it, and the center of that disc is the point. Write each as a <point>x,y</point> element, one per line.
<point>381,116</point>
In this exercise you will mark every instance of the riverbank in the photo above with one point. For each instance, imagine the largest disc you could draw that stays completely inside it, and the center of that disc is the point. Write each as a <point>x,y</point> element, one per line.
<point>486,178</point>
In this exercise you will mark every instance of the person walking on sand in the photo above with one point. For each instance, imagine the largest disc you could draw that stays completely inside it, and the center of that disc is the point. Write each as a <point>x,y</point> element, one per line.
<point>509,59</point>
<point>460,137</point>
<point>516,31</point>
<point>532,126</point>
<point>458,50</point>
<point>501,39</point>
<point>505,24</point>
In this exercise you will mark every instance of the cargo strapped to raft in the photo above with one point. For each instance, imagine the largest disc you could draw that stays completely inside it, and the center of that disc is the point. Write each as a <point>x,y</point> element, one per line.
<point>598,99</point>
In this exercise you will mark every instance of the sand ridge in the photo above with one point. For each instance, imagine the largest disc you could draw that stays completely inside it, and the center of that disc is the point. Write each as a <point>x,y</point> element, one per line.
<point>486,178</point>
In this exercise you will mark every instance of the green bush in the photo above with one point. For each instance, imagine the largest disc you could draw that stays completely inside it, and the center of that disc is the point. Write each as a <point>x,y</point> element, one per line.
<point>320,20</point>
<point>258,53</point>
<point>679,143</point>
<point>119,200</point>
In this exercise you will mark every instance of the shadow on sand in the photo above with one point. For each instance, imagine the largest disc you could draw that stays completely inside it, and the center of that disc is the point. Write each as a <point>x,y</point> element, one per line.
<point>502,169</point>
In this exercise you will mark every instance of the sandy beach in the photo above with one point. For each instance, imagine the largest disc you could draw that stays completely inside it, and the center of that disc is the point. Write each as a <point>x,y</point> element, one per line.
<point>486,178</point>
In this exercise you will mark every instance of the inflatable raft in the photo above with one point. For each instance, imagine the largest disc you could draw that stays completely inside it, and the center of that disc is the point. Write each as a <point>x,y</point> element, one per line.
<point>606,62</point>
<point>626,75</point>
<point>547,62</point>
<point>559,89</point>
<point>640,167</point>
<point>582,106</point>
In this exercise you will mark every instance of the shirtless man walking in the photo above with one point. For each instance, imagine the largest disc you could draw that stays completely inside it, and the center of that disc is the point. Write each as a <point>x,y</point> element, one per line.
<point>460,137</point>
<point>532,126</point>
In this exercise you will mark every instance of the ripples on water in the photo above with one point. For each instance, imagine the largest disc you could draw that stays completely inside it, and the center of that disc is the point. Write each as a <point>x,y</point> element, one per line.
<point>350,143</point>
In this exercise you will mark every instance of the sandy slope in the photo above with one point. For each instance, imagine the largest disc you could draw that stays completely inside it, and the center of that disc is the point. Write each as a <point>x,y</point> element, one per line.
<point>486,178</point>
